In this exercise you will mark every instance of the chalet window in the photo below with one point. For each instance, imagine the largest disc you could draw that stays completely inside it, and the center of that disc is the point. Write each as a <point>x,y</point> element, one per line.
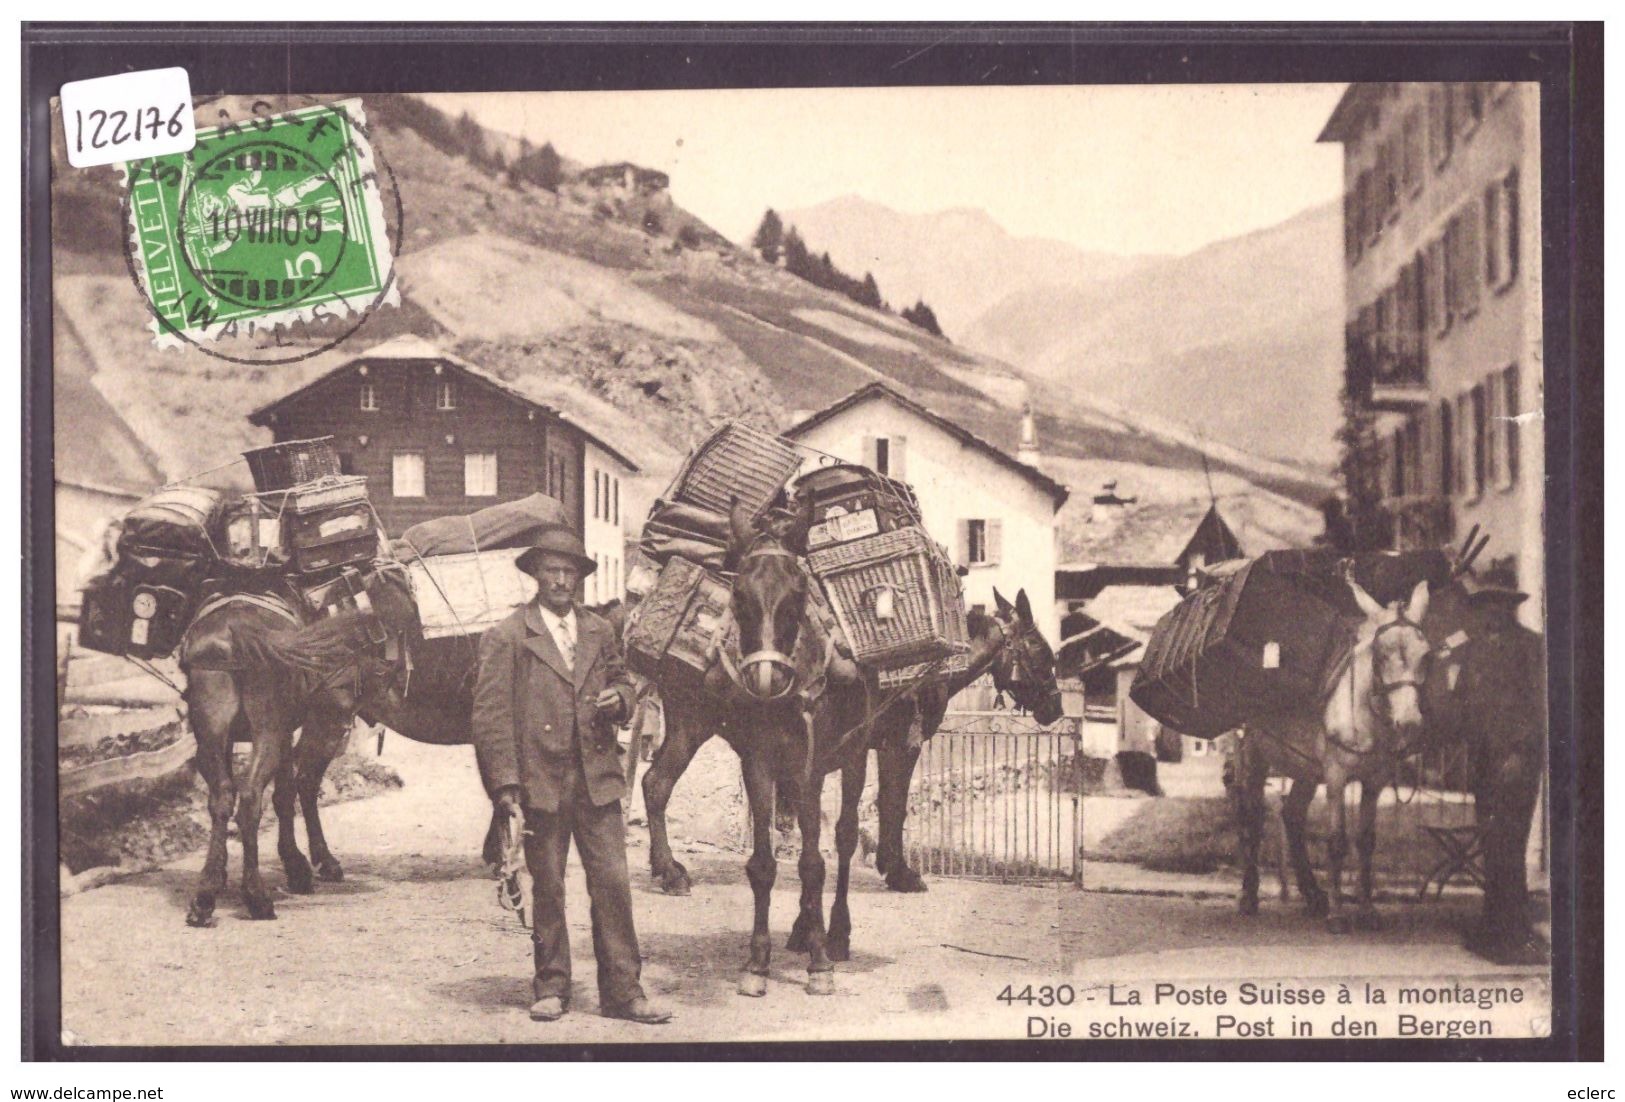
<point>445,395</point>
<point>369,396</point>
<point>882,454</point>
<point>1494,429</point>
<point>615,501</point>
<point>480,474</point>
<point>1415,152</point>
<point>1393,158</point>
<point>407,474</point>
<point>1436,281</point>
<point>1441,124</point>
<point>1510,409</point>
<point>1466,259</point>
<point>597,495</point>
<point>1501,232</point>
<point>981,542</point>
<point>1351,229</point>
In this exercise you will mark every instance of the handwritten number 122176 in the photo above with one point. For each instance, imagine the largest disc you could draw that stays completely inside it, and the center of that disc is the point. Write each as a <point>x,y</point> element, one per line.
<point>128,126</point>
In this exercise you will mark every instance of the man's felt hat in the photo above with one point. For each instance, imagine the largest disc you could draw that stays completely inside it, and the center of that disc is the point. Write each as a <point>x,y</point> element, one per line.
<point>558,540</point>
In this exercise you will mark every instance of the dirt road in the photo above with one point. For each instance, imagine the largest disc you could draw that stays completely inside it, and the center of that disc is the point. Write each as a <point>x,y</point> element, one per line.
<point>412,947</point>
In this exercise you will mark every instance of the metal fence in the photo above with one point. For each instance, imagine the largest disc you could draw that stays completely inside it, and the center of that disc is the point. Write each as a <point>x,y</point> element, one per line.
<point>995,796</point>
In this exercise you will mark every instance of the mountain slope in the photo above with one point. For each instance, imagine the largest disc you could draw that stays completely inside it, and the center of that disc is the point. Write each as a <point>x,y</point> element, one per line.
<point>960,261</point>
<point>648,340</point>
<point>1242,338</point>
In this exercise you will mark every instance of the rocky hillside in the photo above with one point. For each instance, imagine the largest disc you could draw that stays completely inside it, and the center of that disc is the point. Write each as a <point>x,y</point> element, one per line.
<point>650,330</point>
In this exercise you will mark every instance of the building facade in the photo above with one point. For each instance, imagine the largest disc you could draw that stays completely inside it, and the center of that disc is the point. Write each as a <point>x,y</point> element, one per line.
<point>438,436</point>
<point>1443,311</point>
<point>995,514</point>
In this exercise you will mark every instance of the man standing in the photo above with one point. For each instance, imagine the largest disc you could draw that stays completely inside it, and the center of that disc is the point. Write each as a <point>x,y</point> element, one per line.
<point>552,686</point>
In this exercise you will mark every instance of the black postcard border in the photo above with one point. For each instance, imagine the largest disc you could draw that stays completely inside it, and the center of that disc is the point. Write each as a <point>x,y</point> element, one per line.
<point>1566,60</point>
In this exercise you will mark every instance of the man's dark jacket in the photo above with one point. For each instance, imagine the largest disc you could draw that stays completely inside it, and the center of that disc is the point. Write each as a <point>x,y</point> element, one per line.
<point>533,714</point>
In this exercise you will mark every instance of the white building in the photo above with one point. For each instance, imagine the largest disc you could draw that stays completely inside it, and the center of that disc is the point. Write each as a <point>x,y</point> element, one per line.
<point>995,514</point>
<point>601,522</point>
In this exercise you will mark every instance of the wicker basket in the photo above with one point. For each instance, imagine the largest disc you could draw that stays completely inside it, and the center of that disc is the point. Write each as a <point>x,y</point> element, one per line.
<point>735,461</point>
<point>280,466</point>
<point>906,570</point>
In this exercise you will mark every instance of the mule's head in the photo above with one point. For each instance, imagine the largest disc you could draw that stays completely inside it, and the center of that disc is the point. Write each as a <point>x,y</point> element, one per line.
<point>769,602</point>
<point>1399,652</point>
<point>1025,666</point>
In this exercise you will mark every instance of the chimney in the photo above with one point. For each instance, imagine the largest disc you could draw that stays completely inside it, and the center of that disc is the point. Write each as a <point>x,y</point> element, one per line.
<point>1028,450</point>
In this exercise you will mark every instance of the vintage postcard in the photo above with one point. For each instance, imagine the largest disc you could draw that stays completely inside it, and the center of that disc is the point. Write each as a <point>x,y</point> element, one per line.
<point>1044,563</point>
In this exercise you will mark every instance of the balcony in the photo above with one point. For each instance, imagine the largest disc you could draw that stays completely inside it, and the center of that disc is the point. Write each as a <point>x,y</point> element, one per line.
<point>1387,373</point>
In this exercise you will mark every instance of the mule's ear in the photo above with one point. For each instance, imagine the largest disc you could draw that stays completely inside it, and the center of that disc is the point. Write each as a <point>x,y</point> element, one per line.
<point>741,525</point>
<point>1024,608</point>
<point>1417,606</point>
<point>1005,607</point>
<point>1369,607</point>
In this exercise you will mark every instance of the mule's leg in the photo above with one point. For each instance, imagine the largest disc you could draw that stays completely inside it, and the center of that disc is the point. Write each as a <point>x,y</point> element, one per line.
<point>211,703</point>
<point>1337,848</point>
<point>762,869</point>
<point>1365,843</point>
<point>272,736</point>
<point>684,736</point>
<point>321,742</point>
<point>809,809</point>
<point>897,762</point>
<point>285,799</point>
<point>1294,819</point>
<point>1252,772</point>
<point>853,776</point>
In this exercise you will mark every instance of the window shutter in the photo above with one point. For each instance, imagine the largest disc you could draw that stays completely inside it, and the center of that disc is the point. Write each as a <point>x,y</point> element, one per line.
<point>869,458</point>
<point>962,544</point>
<point>899,458</point>
<point>995,541</point>
<point>1509,221</point>
<point>1510,380</point>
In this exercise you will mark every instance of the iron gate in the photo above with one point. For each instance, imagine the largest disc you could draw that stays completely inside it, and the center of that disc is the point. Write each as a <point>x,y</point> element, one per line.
<point>995,796</point>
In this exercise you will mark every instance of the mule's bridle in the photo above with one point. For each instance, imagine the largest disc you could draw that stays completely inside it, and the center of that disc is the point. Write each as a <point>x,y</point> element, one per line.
<point>1379,686</point>
<point>766,655</point>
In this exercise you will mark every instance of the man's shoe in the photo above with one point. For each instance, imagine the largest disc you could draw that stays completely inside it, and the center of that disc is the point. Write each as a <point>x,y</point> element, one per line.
<point>547,1009</point>
<point>639,1010</point>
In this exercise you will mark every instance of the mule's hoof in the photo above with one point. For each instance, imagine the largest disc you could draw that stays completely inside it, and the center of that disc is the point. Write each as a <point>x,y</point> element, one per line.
<point>905,880</point>
<point>820,983</point>
<point>797,941</point>
<point>260,909</point>
<point>675,881</point>
<point>752,986</point>
<point>1367,920</point>
<point>330,870</point>
<point>1339,923</point>
<point>201,913</point>
<point>300,881</point>
<point>838,949</point>
<point>1247,904</point>
<point>1316,906</point>
<point>1524,947</point>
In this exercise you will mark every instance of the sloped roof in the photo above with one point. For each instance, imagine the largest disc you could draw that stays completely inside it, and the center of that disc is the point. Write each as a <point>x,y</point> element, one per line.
<point>412,347</point>
<point>1057,492</point>
<point>1144,533</point>
<point>1132,611</point>
<point>1350,112</point>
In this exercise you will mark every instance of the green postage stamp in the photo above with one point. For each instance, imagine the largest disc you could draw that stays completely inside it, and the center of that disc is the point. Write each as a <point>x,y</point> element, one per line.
<point>267,223</point>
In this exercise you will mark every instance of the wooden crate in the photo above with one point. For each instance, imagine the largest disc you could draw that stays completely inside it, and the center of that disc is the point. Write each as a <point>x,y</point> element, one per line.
<point>669,635</point>
<point>280,466</point>
<point>896,596</point>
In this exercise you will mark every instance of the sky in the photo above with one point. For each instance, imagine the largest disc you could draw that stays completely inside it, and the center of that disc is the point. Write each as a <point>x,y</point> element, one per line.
<point>1120,169</point>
